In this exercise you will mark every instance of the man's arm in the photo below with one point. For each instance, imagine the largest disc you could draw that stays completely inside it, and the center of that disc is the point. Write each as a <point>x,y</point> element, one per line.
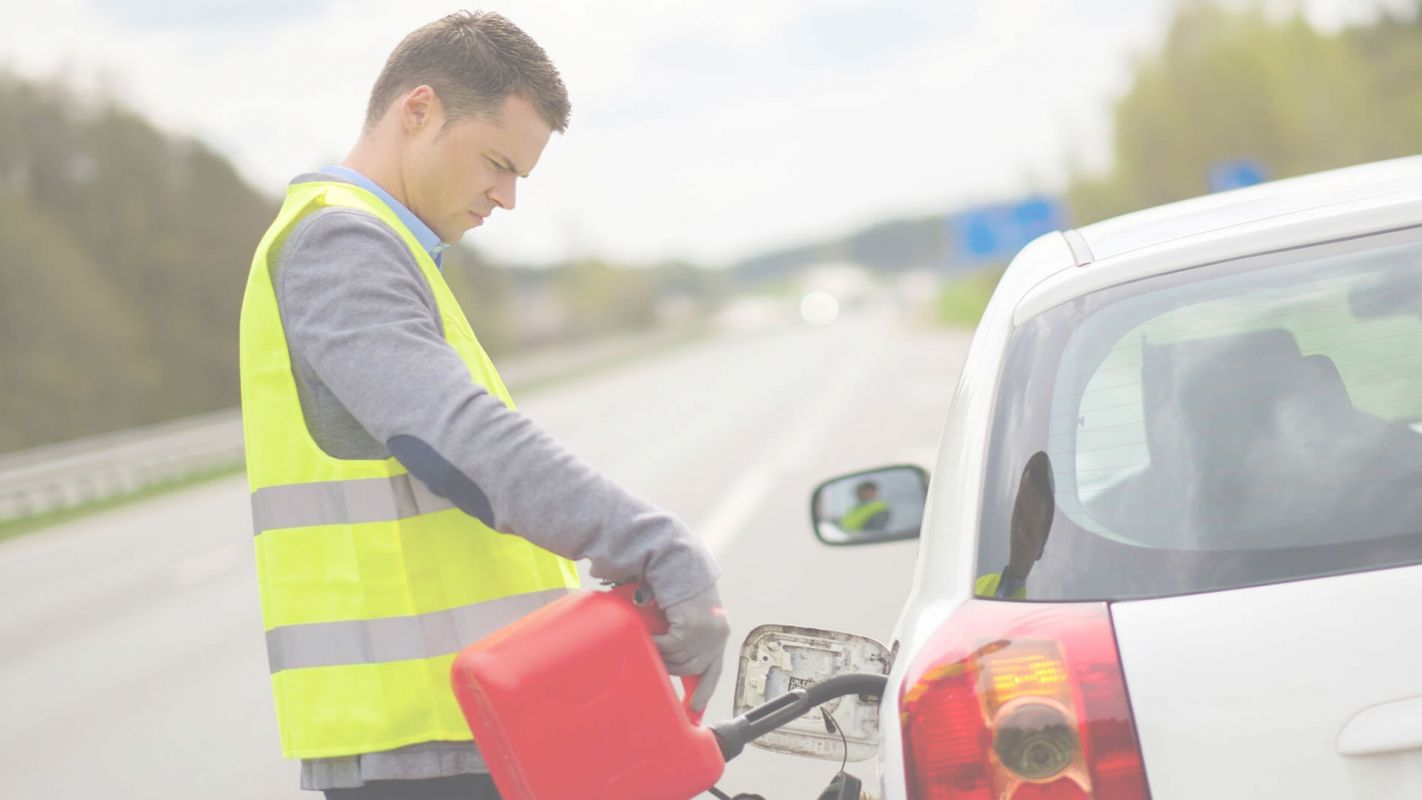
<point>357,311</point>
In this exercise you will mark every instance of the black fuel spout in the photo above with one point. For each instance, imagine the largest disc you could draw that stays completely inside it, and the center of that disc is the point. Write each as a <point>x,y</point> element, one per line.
<point>734,734</point>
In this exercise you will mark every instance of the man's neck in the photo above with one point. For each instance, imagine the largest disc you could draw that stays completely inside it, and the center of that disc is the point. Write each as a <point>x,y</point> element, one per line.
<point>385,171</point>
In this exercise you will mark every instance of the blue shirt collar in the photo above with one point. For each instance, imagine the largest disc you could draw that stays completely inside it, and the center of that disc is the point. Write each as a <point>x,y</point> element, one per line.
<point>423,234</point>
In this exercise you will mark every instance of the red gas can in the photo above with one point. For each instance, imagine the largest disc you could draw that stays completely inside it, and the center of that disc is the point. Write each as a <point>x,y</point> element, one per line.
<point>574,702</point>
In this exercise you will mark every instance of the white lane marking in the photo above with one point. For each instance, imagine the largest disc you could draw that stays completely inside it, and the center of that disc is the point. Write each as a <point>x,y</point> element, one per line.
<point>730,515</point>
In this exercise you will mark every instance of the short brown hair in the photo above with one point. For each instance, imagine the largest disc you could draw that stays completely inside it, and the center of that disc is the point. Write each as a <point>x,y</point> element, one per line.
<point>473,61</point>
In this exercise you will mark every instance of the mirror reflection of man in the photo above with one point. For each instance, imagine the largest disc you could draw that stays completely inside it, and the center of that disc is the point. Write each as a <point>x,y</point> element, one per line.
<point>871,512</point>
<point>1032,515</point>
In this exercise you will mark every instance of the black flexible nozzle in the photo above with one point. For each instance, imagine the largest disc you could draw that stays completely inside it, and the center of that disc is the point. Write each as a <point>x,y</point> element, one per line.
<point>734,734</point>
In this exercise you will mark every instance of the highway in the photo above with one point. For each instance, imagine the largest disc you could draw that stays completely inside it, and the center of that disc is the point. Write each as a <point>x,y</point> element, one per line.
<point>133,659</point>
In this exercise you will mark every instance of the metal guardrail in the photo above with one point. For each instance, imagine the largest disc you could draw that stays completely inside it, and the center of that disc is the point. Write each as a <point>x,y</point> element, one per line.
<point>68,474</point>
<point>73,473</point>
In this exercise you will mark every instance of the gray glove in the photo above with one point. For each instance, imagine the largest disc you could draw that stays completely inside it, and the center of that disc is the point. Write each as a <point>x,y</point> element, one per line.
<point>695,641</point>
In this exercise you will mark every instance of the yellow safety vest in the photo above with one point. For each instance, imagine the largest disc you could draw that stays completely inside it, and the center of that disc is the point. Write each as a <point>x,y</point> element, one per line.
<point>860,515</point>
<point>370,583</point>
<point>986,586</point>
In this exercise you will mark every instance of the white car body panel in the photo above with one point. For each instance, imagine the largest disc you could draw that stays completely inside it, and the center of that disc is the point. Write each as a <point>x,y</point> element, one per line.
<point>1358,218</point>
<point>1054,269</point>
<point>1246,693</point>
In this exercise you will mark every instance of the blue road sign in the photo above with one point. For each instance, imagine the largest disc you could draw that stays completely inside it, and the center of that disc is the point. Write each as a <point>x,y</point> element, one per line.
<point>994,233</point>
<point>1235,174</point>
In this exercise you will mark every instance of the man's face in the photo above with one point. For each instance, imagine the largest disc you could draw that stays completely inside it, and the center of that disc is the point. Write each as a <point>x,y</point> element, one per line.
<point>456,174</point>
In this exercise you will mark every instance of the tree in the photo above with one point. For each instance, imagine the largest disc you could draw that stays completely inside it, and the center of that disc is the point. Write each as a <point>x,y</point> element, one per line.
<point>1228,84</point>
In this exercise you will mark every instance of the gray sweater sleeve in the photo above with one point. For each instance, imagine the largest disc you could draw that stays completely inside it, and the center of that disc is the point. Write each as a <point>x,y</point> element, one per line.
<point>361,321</point>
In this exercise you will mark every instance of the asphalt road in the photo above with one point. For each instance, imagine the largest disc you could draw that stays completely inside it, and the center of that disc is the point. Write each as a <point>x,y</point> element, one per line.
<point>132,662</point>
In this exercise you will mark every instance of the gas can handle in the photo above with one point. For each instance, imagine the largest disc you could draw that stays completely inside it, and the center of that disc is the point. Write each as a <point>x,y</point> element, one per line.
<point>640,597</point>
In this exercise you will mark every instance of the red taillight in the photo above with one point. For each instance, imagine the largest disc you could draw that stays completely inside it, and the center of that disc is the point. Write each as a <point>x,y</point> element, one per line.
<point>1023,701</point>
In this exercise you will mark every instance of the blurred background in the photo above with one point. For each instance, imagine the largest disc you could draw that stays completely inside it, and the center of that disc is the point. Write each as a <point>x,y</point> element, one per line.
<point>716,154</point>
<point>753,261</point>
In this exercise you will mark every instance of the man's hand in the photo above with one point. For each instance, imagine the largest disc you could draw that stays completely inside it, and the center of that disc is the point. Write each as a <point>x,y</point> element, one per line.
<point>695,641</point>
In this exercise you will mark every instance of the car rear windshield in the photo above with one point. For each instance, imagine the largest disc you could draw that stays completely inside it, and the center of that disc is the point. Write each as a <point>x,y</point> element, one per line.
<point>1230,425</point>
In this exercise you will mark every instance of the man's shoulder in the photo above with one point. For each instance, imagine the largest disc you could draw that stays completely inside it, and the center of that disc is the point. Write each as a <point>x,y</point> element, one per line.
<point>338,221</point>
<point>342,238</point>
<point>342,250</point>
<point>333,224</point>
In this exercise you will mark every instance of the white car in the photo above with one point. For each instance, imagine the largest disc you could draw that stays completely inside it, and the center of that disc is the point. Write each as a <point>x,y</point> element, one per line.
<point>1173,541</point>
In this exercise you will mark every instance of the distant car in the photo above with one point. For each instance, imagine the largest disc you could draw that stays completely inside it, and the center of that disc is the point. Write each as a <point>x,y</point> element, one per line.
<point>1173,542</point>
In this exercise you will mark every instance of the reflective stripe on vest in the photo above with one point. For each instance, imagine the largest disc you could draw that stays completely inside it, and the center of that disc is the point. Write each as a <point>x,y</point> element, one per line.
<point>370,583</point>
<point>343,502</point>
<point>377,641</point>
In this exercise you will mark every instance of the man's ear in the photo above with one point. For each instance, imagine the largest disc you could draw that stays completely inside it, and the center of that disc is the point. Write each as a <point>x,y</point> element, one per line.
<point>420,108</point>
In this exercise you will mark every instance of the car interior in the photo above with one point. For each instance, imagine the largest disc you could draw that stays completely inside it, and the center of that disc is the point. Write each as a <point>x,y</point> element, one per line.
<point>1254,445</point>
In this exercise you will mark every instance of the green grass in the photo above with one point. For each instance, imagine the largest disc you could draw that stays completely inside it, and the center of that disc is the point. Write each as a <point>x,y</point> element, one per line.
<point>961,302</point>
<point>22,525</point>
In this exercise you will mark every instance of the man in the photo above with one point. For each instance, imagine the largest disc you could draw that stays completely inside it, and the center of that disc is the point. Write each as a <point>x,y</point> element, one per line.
<point>869,513</point>
<point>403,509</point>
<point>1032,514</point>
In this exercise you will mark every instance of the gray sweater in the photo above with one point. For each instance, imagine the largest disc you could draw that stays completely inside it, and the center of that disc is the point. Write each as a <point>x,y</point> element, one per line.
<point>377,379</point>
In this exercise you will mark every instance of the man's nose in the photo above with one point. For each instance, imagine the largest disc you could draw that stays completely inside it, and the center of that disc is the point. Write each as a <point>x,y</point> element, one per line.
<point>504,193</point>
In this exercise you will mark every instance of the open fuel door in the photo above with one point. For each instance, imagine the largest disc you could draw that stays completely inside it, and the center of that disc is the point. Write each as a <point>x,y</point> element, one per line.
<point>778,658</point>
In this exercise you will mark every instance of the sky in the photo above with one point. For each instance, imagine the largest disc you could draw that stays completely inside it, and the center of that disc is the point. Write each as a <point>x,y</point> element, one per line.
<point>705,130</point>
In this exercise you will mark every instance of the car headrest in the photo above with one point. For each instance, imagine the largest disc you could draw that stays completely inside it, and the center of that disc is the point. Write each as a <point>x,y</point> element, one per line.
<point>1228,384</point>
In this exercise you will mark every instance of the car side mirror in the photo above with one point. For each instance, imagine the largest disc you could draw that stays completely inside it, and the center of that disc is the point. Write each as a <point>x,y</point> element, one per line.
<point>877,505</point>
